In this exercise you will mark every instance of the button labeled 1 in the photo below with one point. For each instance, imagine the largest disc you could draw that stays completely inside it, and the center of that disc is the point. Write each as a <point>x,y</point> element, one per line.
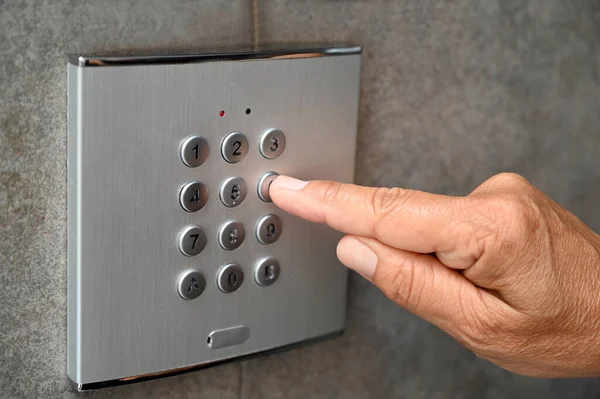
<point>194,151</point>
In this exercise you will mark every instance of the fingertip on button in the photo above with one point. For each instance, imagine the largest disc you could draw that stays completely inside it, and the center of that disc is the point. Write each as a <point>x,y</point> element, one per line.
<point>264,185</point>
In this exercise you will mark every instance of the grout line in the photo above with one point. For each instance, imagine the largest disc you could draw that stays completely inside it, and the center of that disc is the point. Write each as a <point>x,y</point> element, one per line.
<point>256,23</point>
<point>241,382</point>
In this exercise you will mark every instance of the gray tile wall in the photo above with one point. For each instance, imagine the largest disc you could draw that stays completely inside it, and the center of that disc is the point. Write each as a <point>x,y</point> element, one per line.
<point>452,93</point>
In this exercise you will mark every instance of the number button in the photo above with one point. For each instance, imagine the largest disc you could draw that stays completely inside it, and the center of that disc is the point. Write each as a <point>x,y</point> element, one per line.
<point>268,229</point>
<point>190,284</point>
<point>194,151</point>
<point>263,185</point>
<point>272,143</point>
<point>192,240</point>
<point>193,196</point>
<point>230,278</point>
<point>266,272</point>
<point>233,191</point>
<point>231,235</point>
<point>234,147</point>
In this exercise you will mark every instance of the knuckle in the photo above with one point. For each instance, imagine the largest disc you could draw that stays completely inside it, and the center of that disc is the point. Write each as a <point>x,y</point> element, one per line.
<point>384,202</point>
<point>402,288</point>
<point>521,216</point>
<point>509,179</point>
<point>331,191</point>
<point>509,216</point>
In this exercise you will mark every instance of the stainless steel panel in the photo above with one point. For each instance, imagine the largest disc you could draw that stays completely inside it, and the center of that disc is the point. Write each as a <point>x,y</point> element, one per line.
<point>126,126</point>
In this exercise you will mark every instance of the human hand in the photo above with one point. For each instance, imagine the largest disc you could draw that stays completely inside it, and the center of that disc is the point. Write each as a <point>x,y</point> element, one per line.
<point>506,271</point>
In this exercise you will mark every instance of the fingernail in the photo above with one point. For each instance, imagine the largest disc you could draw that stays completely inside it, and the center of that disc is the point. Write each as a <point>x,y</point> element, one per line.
<point>289,183</point>
<point>357,256</point>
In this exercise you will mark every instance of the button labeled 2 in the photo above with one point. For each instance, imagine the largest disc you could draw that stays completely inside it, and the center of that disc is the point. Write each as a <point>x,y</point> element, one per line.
<point>234,147</point>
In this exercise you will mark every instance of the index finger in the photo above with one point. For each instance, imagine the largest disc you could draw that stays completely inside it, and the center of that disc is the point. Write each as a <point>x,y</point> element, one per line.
<point>406,219</point>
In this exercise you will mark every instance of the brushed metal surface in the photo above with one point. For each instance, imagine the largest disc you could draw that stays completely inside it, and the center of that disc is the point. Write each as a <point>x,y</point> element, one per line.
<point>125,173</point>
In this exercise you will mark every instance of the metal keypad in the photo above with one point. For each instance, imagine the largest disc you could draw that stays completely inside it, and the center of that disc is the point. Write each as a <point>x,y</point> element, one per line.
<point>233,191</point>
<point>151,144</point>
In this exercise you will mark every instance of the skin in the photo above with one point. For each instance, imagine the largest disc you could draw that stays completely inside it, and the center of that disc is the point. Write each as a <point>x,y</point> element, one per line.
<point>506,271</point>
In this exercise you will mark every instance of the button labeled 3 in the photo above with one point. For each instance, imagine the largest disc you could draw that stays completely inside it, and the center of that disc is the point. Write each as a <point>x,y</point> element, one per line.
<point>233,191</point>
<point>231,235</point>
<point>230,278</point>
<point>194,151</point>
<point>272,143</point>
<point>234,147</point>
<point>268,229</point>
<point>193,196</point>
<point>191,284</point>
<point>192,241</point>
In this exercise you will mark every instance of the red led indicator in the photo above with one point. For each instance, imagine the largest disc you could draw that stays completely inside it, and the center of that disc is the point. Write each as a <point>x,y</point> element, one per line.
<point>222,113</point>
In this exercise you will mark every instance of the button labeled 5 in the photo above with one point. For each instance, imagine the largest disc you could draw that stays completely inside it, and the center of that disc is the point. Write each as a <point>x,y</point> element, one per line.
<point>233,191</point>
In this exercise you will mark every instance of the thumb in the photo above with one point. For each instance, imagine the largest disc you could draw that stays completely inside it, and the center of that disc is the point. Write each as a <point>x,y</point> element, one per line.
<point>418,282</point>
